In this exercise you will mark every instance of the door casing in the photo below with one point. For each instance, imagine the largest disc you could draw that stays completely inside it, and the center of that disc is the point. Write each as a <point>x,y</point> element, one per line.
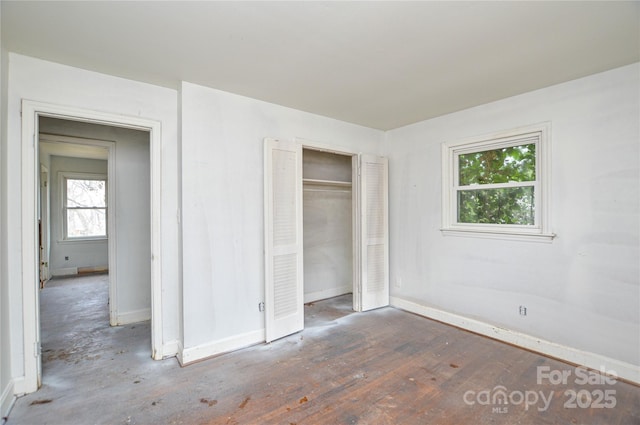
<point>30,169</point>
<point>44,224</point>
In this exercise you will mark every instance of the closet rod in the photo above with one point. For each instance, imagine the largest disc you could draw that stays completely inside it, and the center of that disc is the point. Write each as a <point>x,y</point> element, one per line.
<point>316,182</point>
<point>334,190</point>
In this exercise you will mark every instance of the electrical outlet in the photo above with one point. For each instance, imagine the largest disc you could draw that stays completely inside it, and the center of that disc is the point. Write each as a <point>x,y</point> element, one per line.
<point>261,306</point>
<point>66,258</point>
<point>397,282</point>
<point>523,310</point>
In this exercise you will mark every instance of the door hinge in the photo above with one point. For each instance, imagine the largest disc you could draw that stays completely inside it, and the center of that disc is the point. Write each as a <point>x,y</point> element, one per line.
<point>37,349</point>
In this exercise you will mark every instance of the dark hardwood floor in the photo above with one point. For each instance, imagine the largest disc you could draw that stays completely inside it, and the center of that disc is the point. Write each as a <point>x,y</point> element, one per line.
<point>381,367</point>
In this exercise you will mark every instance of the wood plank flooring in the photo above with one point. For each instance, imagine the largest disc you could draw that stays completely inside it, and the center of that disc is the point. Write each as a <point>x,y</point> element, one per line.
<point>381,367</point>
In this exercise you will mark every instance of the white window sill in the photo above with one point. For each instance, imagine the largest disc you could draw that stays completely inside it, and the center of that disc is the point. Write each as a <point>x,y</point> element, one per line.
<point>490,234</point>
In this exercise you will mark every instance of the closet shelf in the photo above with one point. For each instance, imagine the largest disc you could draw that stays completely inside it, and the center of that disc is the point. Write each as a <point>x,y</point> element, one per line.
<point>326,183</point>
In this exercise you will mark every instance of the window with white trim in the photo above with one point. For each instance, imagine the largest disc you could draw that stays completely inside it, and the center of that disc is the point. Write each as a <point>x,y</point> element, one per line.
<point>498,185</point>
<point>84,204</point>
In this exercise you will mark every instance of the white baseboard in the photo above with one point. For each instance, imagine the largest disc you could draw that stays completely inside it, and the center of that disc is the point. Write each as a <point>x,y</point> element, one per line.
<point>133,316</point>
<point>7,399</point>
<point>20,386</point>
<point>624,370</point>
<point>93,269</point>
<point>199,352</point>
<point>171,349</point>
<point>68,271</point>
<point>327,293</point>
<point>179,353</point>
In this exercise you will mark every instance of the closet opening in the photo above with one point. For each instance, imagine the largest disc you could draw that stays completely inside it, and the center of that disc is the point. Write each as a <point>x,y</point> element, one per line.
<point>328,213</point>
<point>326,231</point>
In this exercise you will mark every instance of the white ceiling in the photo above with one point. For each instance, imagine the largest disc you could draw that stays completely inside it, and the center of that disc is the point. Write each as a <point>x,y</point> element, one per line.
<point>378,64</point>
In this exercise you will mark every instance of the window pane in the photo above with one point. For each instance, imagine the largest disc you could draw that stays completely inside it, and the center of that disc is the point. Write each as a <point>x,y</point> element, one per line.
<point>515,163</point>
<point>86,193</point>
<point>514,205</point>
<point>86,222</point>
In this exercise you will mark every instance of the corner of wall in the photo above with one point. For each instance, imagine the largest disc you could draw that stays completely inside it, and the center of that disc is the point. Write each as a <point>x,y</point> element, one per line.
<point>384,143</point>
<point>180,342</point>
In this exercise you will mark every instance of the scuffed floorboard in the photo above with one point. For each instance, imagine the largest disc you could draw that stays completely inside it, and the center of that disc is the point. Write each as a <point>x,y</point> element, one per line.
<point>381,367</point>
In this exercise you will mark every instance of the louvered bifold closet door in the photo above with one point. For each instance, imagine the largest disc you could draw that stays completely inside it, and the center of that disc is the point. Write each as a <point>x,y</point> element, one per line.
<point>283,239</point>
<point>374,231</point>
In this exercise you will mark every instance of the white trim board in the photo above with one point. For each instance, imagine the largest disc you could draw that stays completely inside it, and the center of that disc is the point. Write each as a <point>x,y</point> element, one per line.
<point>69,271</point>
<point>325,147</point>
<point>127,317</point>
<point>171,348</point>
<point>7,399</point>
<point>179,352</point>
<point>624,370</point>
<point>31,111</point>
<point>66,271</point>
<point>221,346</point>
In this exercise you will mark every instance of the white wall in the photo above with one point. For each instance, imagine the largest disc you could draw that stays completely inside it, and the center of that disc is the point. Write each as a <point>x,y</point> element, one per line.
<point>582,290</point>
<point>222,209</point>
<point>43,81</point>
<point>328,246</point>
<point>6,383</point>
<point>90,253</point>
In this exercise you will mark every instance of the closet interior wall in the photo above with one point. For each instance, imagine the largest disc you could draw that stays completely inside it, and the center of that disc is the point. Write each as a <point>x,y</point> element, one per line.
<point>327,225</point>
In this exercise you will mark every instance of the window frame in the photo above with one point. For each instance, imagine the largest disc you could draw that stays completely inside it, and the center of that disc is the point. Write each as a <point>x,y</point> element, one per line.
<point>538,134</point>
<point>63,177</point>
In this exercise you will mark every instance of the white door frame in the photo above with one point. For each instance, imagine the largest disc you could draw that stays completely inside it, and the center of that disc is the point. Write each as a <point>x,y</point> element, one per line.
<point>44,222</point>
<point>30,169</point>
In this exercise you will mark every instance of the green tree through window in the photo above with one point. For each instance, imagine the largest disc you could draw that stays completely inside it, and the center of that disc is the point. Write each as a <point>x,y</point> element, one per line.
<point>497,186</point>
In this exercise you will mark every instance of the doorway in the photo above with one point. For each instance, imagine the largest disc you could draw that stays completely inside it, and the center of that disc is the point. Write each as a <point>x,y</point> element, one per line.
<point>32,112</point>
<point>85,202</point>
<point>74,200</point>
<point>327,224</point>
<point>284,244</point>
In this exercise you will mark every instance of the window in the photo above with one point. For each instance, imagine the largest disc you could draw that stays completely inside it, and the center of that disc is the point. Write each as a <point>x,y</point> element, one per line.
<point>84,206</point>
<point>497,185</point>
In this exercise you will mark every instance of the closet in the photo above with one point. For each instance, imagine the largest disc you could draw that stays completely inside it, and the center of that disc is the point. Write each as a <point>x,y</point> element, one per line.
<point>327,224</point>
<point>326,231</point>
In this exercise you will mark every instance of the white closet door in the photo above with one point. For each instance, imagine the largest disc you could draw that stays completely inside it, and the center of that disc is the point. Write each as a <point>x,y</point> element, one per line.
<point>374,232</point>
<point>283,239</point>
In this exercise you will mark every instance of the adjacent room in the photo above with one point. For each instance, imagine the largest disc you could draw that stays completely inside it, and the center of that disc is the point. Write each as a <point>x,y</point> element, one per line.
<point>320,212</point>
<point>93,233</point>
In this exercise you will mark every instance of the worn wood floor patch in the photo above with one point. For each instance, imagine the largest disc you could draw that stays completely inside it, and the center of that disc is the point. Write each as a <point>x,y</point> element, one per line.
<point>381,367</point>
